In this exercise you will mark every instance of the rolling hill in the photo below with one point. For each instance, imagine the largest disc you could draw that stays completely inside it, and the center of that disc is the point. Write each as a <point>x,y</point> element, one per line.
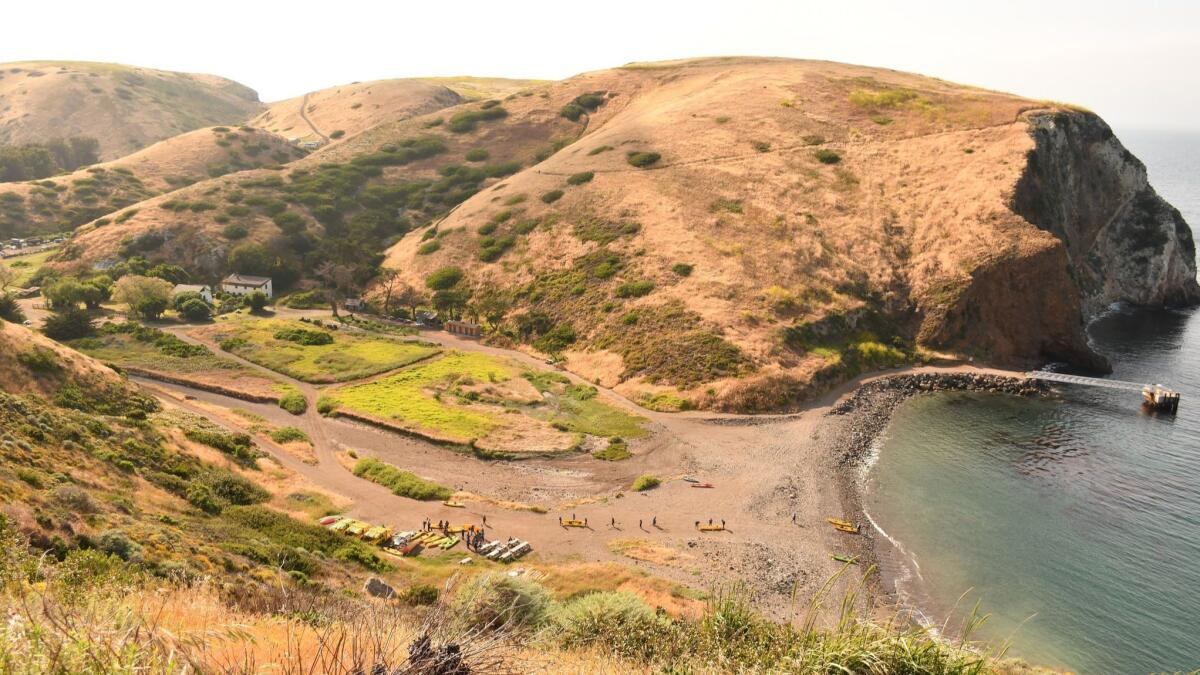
<point>349,109</point>
<point>64,202</point>
<point>733,233</point>
<point>125,108</point>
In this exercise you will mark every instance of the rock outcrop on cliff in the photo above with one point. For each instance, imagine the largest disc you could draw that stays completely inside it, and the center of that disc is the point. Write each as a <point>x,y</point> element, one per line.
<point>1124,243</point>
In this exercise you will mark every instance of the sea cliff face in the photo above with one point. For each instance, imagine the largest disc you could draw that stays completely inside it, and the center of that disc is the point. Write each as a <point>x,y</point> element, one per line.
<point>1124,243</point>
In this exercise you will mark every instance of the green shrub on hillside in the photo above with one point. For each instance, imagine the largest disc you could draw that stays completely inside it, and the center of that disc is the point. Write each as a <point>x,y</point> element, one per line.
<point>827,156</point>
<point>682,269</point>
<point>556,339</point>
<point>337,133</point>
<point>645,482</point>
<point>444,278</point>
<point>635,289</point>
<point>726,205</point>
<point>428,247</point>
<point>572,111</point>
<point>552,196</point>
<point>468,120</point>
<point>599,149</point>
<point>642,159</point>
<point>477,155</point>
<point>580,178</point>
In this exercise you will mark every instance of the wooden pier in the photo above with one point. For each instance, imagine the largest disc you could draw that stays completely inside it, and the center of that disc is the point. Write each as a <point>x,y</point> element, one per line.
<point>1155,396</point>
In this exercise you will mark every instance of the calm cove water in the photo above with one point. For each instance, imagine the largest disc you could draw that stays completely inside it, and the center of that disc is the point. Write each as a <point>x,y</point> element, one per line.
<point>1083,514</point>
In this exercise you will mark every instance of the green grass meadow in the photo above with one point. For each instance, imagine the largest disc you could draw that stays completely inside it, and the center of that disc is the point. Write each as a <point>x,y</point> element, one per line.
<point>349,357</point>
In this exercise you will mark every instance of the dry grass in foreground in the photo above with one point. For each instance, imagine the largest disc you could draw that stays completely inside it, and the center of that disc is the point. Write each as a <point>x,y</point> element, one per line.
<point>94,614</point>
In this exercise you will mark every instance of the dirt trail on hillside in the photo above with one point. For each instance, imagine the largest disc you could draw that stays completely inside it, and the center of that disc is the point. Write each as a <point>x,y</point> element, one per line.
<point>304,116</point>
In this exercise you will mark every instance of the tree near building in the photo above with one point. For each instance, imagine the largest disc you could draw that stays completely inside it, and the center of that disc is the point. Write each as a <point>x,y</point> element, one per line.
<point>10,309</point>
<point>8,277</point>
<point>338,279</point>
<point>65,295</point>
<point>389,280</point>
<point>492,305</point>
<point>412,298</point>
<point>147,297</point>
<point>257,301</point>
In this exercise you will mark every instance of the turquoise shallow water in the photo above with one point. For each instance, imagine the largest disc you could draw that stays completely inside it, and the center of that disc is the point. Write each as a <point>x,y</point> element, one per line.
<point>1078,518</point>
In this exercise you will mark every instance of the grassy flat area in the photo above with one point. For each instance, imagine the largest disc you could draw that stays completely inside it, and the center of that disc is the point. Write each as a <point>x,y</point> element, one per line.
<point>132,345</point>
<point>421,396</point>
<point>347,356</point>
<point>27,265</point>
<point>464,396</point>
<point>576,407</point>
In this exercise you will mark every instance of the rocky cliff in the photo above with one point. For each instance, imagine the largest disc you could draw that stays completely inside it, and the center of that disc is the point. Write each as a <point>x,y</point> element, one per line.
<point>1124,243</point>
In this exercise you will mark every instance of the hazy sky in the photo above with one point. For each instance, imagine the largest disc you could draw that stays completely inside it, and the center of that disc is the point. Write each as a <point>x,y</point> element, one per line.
<point>1133,62</point>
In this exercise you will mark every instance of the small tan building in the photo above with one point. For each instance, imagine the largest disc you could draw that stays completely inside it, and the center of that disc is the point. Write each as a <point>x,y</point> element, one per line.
<point>463,328</point>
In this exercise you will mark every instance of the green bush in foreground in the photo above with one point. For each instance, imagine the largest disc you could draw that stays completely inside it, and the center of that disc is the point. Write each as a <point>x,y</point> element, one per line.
<point>499,603</point>
<point>646,482</point>
<point>294,402</point>
<point>400,482</point>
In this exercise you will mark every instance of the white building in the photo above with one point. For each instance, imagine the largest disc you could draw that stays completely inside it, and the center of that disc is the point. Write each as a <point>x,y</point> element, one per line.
<point>240,284</point>
<point>205,291</point>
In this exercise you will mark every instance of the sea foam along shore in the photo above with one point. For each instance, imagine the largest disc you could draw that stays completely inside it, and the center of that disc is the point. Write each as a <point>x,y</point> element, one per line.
<point>866,414</point>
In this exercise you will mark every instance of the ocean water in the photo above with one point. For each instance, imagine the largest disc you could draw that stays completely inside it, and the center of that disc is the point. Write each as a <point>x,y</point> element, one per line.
<point>1075,523</point>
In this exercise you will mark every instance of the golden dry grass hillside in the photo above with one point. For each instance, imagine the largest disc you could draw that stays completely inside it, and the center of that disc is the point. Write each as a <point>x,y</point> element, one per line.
<point>31,363</point>
<point>339,112</point>
<point>733,233</point>
<point>126,108</point>
<point>390,178</point>
<point>62,203</point>
<point>331,114</point>
<point>748,230</point>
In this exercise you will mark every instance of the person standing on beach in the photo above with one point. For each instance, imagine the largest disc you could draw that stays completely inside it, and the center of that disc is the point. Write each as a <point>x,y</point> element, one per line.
<point>654,522</point>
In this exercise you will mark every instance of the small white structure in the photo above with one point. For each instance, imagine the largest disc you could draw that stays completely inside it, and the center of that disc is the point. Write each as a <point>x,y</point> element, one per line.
<point>355,304</point>
<point>205,292</point>
<point>240,284</point>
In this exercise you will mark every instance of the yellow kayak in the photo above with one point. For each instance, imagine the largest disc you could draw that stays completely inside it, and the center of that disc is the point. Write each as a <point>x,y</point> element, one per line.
<point>843,525</point>
<point>376,534</point>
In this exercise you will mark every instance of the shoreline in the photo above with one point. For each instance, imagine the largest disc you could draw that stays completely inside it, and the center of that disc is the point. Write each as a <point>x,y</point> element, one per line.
<point>865,414</point>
